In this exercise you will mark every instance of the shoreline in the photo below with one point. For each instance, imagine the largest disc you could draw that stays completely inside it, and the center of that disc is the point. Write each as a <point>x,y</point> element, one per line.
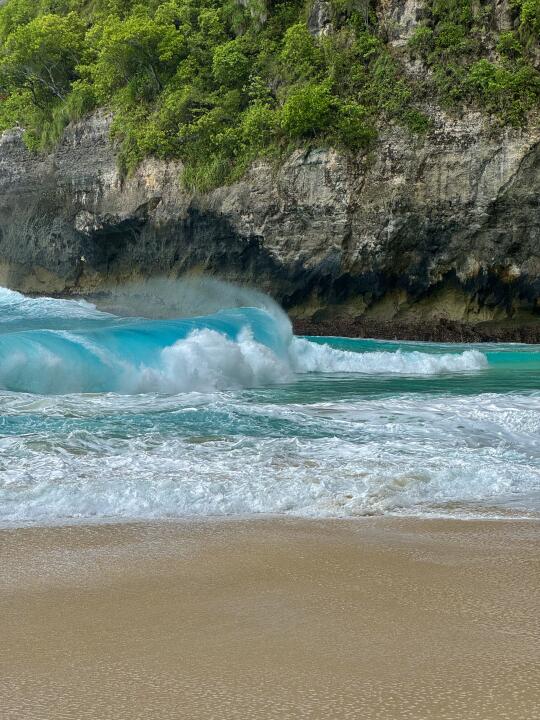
<point>265,618</point>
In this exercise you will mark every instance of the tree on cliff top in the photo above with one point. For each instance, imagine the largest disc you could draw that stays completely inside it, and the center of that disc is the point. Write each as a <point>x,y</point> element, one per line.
<point>41,57</point>
<point>216,83</point>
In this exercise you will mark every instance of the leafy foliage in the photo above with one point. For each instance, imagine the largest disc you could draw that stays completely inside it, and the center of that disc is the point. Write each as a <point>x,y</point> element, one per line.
<point>216,83</point>
<point>473,65</point>
<point>307,110</point>
<point>529,15</point>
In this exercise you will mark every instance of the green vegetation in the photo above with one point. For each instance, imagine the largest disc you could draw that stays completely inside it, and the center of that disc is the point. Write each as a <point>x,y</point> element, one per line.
<point>216,83</point>
<point>473,65</point>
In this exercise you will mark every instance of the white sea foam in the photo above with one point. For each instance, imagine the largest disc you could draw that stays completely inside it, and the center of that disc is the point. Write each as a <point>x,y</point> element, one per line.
<point>308,356</point>
<point>207,361</point>
<point>203,455</point>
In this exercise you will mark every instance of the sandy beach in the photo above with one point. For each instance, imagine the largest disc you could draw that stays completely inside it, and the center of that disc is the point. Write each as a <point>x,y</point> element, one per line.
<point>276,619</point>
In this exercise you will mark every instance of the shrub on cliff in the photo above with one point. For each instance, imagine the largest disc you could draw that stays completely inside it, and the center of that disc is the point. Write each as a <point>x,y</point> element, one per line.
<point>307,110</point>
<point>509,93</point>
<point>354,126</point>
<point>38,63</point>
<point>215,83</point>
<point>472,65</point>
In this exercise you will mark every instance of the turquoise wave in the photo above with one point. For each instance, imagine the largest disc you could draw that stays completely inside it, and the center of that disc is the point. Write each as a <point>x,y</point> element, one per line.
<point>50,346</point>
<point>99,418</point>
<point>79,349</point>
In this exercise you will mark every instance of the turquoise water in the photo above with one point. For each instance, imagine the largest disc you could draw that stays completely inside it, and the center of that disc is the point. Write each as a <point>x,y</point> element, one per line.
<point>108,417</point>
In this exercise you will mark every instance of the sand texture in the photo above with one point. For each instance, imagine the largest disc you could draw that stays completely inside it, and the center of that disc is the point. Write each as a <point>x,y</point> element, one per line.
<point>275,619</point>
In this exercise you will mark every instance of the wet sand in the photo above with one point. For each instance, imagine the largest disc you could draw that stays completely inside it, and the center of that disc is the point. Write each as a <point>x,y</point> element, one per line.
<point>276,619</point>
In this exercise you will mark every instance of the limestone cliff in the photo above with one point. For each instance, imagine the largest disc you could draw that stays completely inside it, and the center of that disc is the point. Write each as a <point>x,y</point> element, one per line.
<point>443,226</point>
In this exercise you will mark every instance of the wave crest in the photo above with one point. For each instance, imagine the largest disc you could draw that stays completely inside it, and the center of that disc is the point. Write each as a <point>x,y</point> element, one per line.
<point>313,357</point>
<point>207,361</point>
<point>62,346</point>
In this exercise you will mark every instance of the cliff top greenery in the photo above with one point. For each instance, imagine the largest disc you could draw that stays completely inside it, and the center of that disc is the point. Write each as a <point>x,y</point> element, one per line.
<point>216,83</point>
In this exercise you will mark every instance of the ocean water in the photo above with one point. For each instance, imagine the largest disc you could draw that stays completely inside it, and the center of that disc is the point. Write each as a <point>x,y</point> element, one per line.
<point>104,416</point>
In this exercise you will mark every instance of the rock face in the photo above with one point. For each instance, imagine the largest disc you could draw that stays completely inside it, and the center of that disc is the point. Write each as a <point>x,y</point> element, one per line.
<point>320,18</point>
<point>400,18</point>
<point>444,227</point>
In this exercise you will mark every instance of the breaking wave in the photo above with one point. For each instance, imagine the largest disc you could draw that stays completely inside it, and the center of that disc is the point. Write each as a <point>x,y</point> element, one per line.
<point>53,346</point>
<point>314,357</point>
<point>197,410</point>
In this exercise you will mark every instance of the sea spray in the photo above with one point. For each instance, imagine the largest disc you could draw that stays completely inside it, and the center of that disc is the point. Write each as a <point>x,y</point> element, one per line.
<point>166,298</point>
<point>106,414</point>
<point>61,346</point>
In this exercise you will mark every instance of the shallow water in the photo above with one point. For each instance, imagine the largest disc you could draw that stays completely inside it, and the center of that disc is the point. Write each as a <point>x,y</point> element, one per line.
<point>107,417</point>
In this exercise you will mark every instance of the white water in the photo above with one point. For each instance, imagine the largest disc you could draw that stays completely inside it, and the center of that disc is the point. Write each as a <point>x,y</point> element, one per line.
<point>221,455</point>
<point>309,357</point>
<point>105,417</point>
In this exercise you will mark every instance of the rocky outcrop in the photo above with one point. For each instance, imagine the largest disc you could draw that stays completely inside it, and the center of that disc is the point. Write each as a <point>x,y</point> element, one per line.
<point>505,15</point>
<point>400,18</point>
<point>444,227</point>
<point>320,18</point>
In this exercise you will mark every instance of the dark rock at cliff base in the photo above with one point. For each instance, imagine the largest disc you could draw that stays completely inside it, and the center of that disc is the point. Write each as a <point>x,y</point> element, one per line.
<point>429,331</point>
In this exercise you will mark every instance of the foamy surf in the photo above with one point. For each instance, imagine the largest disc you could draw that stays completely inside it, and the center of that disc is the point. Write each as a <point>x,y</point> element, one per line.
<point>313,357</point>
<point>108,416</point>
<point>78,348</point>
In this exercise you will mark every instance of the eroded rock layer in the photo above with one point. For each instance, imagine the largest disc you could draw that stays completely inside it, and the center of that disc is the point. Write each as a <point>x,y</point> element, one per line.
<point>446,226</point>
